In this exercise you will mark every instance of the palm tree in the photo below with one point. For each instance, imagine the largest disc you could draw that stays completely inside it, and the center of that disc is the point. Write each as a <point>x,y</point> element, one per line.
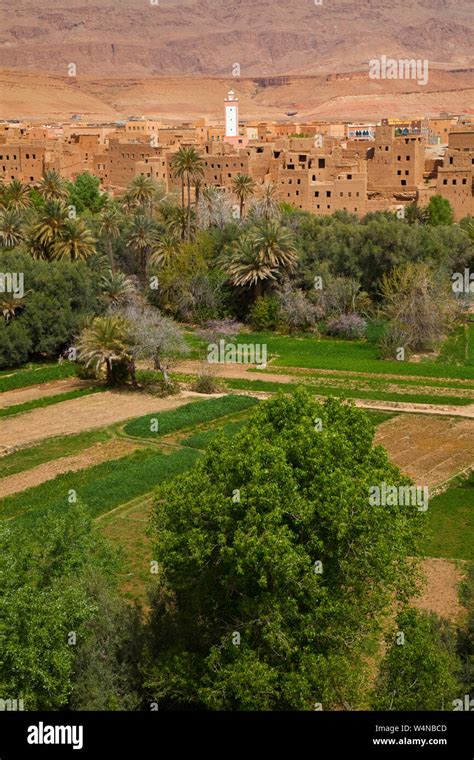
<point>18,195</point>
<point>142,236</point>
<point>267,206</point>
<point>188,165</point>
<point>142,190</point>
<point>165,250</point>
<point>105,342</point>
<point>9,305</point>
<point>177,220</point>
<point>246,267</point>
<point>50,221</point>
<point>128,203</point>
<point>11,232</point>
<point>109,229</point>
<point>243,186</point>
<point>75,241</point>
<point>52,186</point>
<point>116,287</point>
<point>276,245</point>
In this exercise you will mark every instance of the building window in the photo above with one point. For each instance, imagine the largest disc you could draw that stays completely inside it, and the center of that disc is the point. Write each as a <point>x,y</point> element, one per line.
<point>328,194</point>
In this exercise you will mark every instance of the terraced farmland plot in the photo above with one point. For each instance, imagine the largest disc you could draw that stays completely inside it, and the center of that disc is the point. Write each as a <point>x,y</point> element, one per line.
<point>430,449</point>
<point>74,416</point>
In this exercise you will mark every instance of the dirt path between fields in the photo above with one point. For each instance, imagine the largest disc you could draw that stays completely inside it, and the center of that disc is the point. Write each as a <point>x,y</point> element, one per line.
<point>76,415</point>
<point>441,593</point>
<point>101,452</point>
<point>241,372</point>
<point>33,392</point>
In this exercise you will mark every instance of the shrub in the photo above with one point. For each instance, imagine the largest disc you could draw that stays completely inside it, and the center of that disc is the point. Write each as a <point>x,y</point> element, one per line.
<point>206,381</point>
<point>15,344</point>
<point>264,314</point>
<point>295,311</point>
<point>154,383</point>
<point>349,326</point>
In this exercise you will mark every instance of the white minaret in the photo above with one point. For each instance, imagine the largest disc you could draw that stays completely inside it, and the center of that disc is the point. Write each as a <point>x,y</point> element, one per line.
<point>231,115</point>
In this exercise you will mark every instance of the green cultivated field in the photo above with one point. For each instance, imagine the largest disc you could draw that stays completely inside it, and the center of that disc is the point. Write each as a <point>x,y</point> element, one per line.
<point>269,386</point>
<point>101,487</point>
<point>11,380</point>
<point>312,352</point>
<point>451,523</point>
<point>194,413</point>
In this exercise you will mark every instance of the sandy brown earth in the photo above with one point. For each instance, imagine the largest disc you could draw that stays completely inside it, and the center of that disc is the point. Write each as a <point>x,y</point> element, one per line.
<point>441,593</point>
<point>77,415</point>
<point>32,392</point>
<point>101,452</point>
<point>46,96</point>
<point>430,449</point>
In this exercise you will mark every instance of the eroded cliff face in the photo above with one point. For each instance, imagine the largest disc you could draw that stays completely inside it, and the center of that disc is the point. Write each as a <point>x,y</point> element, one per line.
<point>267,38</point>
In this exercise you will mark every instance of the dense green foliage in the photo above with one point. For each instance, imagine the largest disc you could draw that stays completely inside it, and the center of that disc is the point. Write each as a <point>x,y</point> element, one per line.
<point>56,585</point>
<point>251,521</point>
<point>419,670</point>
<point>58,295</point>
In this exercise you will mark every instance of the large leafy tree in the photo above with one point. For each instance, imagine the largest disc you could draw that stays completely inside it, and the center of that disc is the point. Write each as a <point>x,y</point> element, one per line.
<point>58,295</point>
<point>275,569</point>
<point>85,194</point>
<point>440,211</point>
<point>45,568</point>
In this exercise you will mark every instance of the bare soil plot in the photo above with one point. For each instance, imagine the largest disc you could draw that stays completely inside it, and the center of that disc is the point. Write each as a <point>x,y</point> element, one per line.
<point>430,449</point>
<point>441,593</point>
<point>87,413</point>
<point>101,452</point>
<point>33,392</point>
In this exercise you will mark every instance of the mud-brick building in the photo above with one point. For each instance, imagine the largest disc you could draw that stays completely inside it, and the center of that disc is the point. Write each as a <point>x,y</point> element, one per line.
<point>455,180</point>
<point>396,163</point>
